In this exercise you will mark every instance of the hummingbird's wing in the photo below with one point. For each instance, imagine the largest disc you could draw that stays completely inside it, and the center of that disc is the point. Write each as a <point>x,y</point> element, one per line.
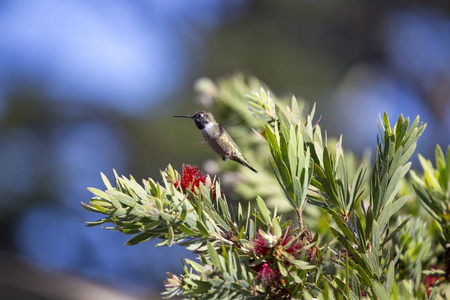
<point>234,153</point>
<point>214,139</point>
<point>222,143</point>
<point>225,136</point>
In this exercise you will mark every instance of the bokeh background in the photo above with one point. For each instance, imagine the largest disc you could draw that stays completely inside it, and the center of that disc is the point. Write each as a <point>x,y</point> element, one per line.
<point>90,86</point>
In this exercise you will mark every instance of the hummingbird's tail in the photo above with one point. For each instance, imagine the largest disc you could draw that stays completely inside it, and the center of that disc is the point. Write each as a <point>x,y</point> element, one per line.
<point>251,168</point>
<point>243,162</point>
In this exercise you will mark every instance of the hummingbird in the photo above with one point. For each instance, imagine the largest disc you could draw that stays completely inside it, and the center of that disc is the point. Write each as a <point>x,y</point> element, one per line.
<point>218,138</point>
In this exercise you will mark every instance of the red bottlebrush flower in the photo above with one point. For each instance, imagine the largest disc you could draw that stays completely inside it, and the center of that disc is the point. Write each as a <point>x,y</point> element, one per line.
<point>266,274</point>
<point>259,246</point>
<point>295,247</point>
<point>428,282</point>
<point>263,242</point>
<point>191,177</point>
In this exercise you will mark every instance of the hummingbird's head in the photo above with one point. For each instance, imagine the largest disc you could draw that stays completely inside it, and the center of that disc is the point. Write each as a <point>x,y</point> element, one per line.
<point>201,118</point>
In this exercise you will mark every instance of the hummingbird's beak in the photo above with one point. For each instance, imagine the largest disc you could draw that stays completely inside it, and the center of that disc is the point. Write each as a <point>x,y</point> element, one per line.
<point>190,117</point>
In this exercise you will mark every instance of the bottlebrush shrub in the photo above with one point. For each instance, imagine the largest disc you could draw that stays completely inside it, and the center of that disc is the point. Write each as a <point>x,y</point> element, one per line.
<point>255,252</point>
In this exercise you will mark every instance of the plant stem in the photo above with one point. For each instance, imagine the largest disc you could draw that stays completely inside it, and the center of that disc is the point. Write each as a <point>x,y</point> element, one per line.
<point>300,218</point>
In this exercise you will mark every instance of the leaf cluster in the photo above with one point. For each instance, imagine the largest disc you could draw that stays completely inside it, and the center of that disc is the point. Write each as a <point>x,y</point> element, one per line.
<point>253,253</point>
<point>201,221</point>
<point>302,161</point>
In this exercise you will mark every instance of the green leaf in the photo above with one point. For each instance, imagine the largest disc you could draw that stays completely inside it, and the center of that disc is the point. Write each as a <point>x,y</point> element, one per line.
<point>369,220</point>
<point>293,149</point>
<point>407,153</point>
<point>298,192</point>
<point>184,210</point>
<point>390,277</point>
<point>265,213</point>
<point>393,186</point>
<point>282,269</point>
<point>379,291</point>
<point>106,181</point>
<point>213,255</point>
<point>96,223</point>
<point>202,228</point>
<point>356,286</point>
<point>187,230</point>
<point>302,265</point>
<point>140,238</point>
<point>90,208</point>
<point>166,217</point>
<point>396,230</point>
<point>277,229</point>
<point>170,235</point>
<point>119,212</point>
<point>224,211</point>
<point>447,163</point>
<point>251,229</point>
<point>193,246</point>
<point>390,209</point>
<point>271,138</point>
<point>373,262</point>
<point>196,266</point>
<point>343,227</point>
<point>356,185</point>
<point>344,242</point>
<point>341,284</point>
<point>362,273</point>
<point>375,238</point>
<point>122,198</point>
<point>440,164</point>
